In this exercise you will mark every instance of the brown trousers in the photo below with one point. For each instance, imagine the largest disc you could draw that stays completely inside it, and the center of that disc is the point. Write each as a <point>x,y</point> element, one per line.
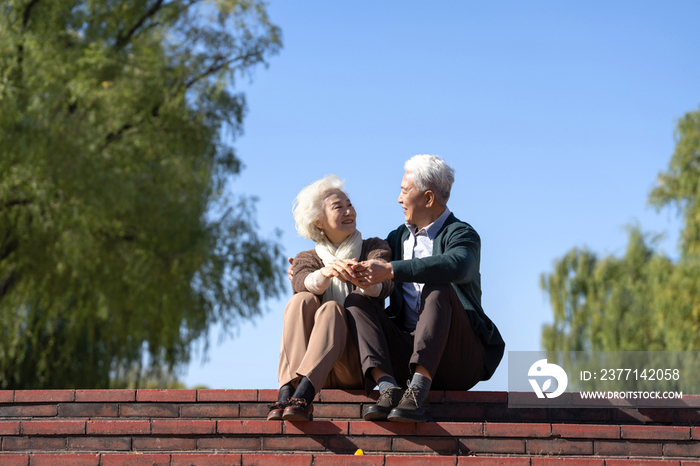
<point>443,341</point>
<point>315,344</point>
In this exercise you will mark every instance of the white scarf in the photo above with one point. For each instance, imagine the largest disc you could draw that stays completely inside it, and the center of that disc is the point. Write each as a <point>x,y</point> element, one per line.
<point>350,248</point>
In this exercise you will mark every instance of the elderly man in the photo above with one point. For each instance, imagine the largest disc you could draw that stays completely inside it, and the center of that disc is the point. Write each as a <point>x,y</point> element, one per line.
<point>434,331</point>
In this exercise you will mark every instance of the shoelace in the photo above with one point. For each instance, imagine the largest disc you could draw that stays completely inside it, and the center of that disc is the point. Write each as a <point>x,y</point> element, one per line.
<point>298,402</point>
<point>388,393</point>
<point>414,393</point>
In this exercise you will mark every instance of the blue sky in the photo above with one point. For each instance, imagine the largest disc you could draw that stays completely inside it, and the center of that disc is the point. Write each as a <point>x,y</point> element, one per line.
<point>557,117</point>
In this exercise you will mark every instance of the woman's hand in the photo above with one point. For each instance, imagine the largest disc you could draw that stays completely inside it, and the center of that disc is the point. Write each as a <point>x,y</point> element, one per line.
<point>341,269</point>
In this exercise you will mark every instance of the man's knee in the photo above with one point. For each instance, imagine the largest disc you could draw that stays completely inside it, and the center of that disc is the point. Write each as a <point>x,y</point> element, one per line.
<point>358,302</point>
<point>439,298</point>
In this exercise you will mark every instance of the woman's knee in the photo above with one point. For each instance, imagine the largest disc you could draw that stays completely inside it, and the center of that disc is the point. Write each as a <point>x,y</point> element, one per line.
<point>302,303</point>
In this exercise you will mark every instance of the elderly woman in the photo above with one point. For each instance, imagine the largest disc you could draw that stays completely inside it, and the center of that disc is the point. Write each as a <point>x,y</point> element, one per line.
<point>316,351</point>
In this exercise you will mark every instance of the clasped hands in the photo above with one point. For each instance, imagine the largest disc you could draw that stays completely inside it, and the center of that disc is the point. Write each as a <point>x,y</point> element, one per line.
<point>361,274</point>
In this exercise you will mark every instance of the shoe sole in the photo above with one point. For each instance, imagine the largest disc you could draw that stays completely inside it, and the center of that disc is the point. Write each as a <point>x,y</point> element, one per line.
<point>375,416</point>
<point>403,416</point>
<point>297,418</point>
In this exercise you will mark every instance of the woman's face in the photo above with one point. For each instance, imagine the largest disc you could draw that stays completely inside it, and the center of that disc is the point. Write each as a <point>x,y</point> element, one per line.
<point>338,220</point>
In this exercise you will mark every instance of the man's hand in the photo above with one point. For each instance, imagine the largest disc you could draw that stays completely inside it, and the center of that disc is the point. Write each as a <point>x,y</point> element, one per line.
<point>290,272</point>
<point>372,272</point>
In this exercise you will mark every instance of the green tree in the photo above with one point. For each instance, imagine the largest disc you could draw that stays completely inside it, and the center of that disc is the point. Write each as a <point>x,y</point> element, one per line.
<point>116,243</point>
<point>643,300</point>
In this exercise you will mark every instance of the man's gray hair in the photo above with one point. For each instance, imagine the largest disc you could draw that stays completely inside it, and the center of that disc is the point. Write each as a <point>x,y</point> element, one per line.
<point>308,205</point>
<point>430,172</point>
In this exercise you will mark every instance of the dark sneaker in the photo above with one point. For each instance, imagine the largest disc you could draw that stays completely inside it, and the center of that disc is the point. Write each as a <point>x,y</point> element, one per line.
<point>388,399</point>
<point>413,407</point>
<point>298,410</point>
<point>276,411</point>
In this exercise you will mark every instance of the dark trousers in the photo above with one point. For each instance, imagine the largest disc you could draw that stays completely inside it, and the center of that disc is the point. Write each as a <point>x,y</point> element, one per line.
<point>443,341</point>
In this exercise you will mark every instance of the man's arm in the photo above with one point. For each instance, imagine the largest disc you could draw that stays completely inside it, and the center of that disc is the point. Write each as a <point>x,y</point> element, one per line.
<point>459,263</point>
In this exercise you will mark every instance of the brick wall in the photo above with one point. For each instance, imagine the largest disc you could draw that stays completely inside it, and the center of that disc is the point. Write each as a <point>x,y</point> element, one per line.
<point>228,427</point>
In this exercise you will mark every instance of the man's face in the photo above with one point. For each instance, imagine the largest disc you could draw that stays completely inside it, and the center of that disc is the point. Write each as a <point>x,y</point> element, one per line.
<point>412,201</point>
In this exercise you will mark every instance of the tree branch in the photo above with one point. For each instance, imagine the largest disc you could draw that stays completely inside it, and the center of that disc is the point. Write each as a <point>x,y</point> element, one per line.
<point>27,13</point>
<point>124,39</point>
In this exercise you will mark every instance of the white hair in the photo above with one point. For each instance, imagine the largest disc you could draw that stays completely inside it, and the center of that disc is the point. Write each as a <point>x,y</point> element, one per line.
<point>430,172</point>
<point>308,205</point>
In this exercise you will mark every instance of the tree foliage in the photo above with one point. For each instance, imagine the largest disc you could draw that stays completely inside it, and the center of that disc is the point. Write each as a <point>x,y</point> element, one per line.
<point>115,239</point>
<point>643,300</point>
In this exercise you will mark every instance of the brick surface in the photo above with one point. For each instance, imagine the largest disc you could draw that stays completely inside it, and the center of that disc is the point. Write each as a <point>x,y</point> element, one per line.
<point>493,461</point>
<point>581,415</point>
<point>464,412</point>
<point>163,443</point>
<point>452,429</point>
<point>99,443</point>
<point>235,443</point>
<point>350,444</point>
<point>7,396</point>
<point>33,443</point>
<point>148,410</point>
<point>119,427</point>
<point>492,445</point>
<point>212,410</point>
<point>293,443</point>
<point>507,429</point>
<point>203,459</point>
<point>88,410</point>
<point>43,396</point>
<point>640,462</point>
<point>347,396</point>
<point>428,460</point>
<point>53,427</point>
<point>645,415</point>
<point>354,460</point>
<point>106,396</point>
<point>28,411</point>
<point>424,444</point>
<point>11,459</point>
<point>135,459</point>
<point>316,428</point>
<point>567,462</point>
<point>279,459</point>
<point>622,448</point>
<point>503,413</point>
<point>336,411</point>
<point>436,396</point>
<point>249,427</point>
<point>682,449</point>
<point>267,396</point>
<point>559,447</point>
<point>259,410</point>
<point>586,431</point>
<point>382,428</point>
<point>656,432</point>
<point>180,427</point>
<point>227,396</point>
<point>9,428</point>
<point>685,416</point>
<point>166,396</point>
<point>65,459</point>
<point>475,397</point>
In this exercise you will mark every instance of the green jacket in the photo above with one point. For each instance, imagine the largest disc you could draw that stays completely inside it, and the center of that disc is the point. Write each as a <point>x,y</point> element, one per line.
<point>455,260</point>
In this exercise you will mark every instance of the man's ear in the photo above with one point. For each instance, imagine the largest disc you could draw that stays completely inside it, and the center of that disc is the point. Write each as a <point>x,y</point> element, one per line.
<point>429,198</point>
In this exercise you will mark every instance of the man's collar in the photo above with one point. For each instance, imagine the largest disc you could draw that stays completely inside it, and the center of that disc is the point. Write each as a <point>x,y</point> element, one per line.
<point>432,229</point>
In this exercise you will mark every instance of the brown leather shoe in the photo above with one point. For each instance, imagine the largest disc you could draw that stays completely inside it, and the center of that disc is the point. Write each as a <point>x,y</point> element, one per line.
<point>298,410</point>
<point>276,411</point>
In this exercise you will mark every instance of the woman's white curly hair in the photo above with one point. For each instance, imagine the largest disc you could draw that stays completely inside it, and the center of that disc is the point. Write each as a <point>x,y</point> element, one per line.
<point>308,205</point>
